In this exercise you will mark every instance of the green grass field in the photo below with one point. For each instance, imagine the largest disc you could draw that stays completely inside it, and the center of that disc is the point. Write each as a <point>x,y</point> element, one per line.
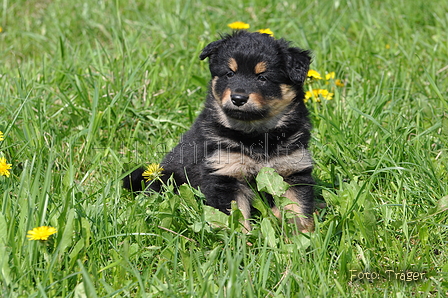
<point>92,89</point>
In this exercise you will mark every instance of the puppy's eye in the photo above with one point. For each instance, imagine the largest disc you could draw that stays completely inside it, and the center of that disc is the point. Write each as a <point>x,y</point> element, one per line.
<point>262,78</point>
<point>230,74</point>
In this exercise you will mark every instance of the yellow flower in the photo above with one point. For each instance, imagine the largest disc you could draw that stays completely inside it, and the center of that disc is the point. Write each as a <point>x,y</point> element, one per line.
<point>325,94</point>
<point>153,171</point>
<point>339,83</point>
<point>330,75</point>
<point>266,31</point>
<point>308,95</point>
<point>41,233</point>
<point>4,167</point>
<point>314,75</point>
<point>316,94</point>
<point>238,25</point>
<point>2,137</point>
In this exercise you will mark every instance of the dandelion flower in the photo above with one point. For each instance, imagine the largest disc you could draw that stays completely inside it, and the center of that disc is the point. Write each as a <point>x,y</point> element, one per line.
<point>238,25</point>
<point>41,233</point>
<point>153,171</point>
<point>4,167</point>
<point>330,76</point>
<point>314,75</point>
<point>339,83</point>
<point>317,93</point>
<point>2,137</point>
<point>325,94</point>
<point>266,31</point>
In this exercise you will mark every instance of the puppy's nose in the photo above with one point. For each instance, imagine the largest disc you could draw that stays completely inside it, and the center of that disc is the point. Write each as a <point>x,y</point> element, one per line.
<point>239,99</point>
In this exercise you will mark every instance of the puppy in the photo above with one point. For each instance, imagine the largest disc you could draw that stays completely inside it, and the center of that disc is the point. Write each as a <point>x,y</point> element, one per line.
<point>254,117</point>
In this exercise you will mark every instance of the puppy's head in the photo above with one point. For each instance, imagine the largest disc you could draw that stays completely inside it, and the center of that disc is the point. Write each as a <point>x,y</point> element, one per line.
<point>255,78</point>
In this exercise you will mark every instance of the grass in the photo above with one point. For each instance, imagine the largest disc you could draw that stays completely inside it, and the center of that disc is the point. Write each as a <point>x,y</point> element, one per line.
<point>92,89</point>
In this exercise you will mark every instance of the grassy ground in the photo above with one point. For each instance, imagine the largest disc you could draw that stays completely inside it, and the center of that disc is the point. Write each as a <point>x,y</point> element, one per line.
<point>91,89</point>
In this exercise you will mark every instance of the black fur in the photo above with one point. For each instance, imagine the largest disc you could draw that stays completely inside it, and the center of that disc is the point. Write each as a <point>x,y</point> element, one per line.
<point>254,116</point>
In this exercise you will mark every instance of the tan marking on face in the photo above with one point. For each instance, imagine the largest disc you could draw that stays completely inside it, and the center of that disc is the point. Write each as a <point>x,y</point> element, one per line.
<point>278,105</point>
<point>260,67</point>
<point>215,95</point>
<point>222,118</point>
<point>226,96</point>
<point>233,65</point>
<point>256,99</point>
<point>288,92</point>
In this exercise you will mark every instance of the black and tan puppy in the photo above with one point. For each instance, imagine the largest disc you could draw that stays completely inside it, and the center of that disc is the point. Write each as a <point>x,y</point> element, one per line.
<point>254,117</point>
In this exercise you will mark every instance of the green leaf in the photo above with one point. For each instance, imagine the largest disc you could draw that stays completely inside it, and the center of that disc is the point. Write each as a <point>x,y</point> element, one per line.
<point>75,251</point>
<point>301,242</point>
<point>269,232</point>
<point>271,182</point>
<point>87,281</point>
<point>66,238</point>
<point>199,226</point>
<point>80,291</point>
<point>3,230</point>
<point>188,196</point>
<point>215,217</point>
<point>442,204</point>
<point>85,227</point>
<point>235,218</point>
<point>258,204</point>
<point>423,235</point>
<point>4,254</point>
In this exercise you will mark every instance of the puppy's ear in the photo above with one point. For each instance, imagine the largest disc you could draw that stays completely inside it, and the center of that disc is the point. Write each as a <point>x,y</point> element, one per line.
<point>298,64</point>
<point>210,49</point>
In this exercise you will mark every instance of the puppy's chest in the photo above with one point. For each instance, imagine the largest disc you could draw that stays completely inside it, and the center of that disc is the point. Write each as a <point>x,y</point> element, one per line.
<point>244,162</point>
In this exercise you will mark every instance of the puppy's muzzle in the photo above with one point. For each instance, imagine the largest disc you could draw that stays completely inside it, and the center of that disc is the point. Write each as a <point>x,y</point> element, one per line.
<point>239,99</point>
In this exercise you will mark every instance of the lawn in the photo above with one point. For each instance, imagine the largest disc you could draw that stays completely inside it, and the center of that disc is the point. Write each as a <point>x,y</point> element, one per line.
<point>90,90</point>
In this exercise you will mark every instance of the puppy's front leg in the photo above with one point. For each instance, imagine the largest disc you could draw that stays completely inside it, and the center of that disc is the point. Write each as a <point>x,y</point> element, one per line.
<point>302,197</point>
<point>220,191</point>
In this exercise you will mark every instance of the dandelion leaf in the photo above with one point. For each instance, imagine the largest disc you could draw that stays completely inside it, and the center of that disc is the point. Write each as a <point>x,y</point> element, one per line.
<point>271,182</point>
<point>441,206</point>
<point>215,217</point>
<point>67,234</point>
<point>187,195</point>
<point>269,232</point>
